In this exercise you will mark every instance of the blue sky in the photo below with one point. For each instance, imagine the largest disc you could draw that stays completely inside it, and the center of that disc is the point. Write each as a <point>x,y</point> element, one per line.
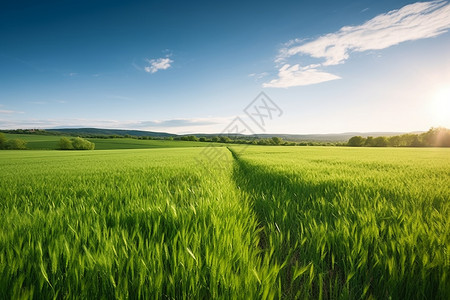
<point>183,67</point>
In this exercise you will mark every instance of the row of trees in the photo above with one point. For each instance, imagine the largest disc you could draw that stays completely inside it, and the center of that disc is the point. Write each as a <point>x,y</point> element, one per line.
<point>435,137</point>
<point>29,131</point>
<point>77,143</point>
<point>227,139</point>
<point>12,144</point>
<point>254,141</point>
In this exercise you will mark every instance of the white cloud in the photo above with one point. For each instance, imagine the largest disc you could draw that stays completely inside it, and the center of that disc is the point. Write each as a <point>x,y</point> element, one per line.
<point>289,76</point>
<point>193,125</point>
<point>158,64</point>
<point>292,42</point>
<point>411,22</point>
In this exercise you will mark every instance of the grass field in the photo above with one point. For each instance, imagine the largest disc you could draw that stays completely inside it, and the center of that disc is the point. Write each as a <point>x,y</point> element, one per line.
<point>49,142</point>
<point>270,222</point>
<point>353,222</point>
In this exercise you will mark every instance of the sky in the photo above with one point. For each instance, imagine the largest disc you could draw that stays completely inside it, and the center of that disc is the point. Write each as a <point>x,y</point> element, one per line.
<point>195,66</point>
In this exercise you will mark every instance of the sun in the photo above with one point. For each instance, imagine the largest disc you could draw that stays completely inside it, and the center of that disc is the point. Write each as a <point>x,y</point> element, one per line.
<point>440,106</point>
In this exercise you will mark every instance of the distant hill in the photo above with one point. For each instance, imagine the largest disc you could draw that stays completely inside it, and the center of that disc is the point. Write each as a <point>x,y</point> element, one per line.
<point>101,131</point>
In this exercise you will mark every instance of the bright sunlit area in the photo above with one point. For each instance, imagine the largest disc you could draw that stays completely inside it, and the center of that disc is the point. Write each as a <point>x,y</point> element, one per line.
<point>440,106</point>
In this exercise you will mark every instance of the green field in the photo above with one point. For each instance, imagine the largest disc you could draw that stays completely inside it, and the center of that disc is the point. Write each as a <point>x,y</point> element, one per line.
<point>50,142</point>
<point>263,222</point>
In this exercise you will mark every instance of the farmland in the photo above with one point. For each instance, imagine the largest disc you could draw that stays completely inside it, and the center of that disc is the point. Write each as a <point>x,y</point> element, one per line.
<point>264,222</point>
<point>353,223</point>
<point>50,142</point>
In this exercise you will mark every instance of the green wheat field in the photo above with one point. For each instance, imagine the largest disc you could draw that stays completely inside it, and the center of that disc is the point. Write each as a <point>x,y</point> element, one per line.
<point>262,222</point>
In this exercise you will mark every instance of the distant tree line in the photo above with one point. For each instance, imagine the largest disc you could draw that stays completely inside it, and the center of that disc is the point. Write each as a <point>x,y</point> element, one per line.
<point>435,137</point>
<point>57,133</point>
<point>30,131</point>
<point>12,144</point>
<point>252,140</point>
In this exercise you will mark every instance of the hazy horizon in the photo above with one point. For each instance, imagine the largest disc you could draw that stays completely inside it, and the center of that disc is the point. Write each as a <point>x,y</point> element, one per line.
<point>218,133</point>
<point>177,67</point>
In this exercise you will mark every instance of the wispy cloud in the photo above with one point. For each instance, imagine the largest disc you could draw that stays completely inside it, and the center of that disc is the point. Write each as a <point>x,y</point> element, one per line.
<point>293,42</point>
<point>70,74</point>
<point>52,123</point>
<point>136,66</point>
<point>38,102</point>
<point>9,112</point>
<point>47,102</point>
<point>296,76</point>
<point>177,123</point>
<point>212,124</point>
<point>258,76</point>
<point>158,64</point>
<point>184,126</point>
<point>118,97</point>
<point>412,22</point>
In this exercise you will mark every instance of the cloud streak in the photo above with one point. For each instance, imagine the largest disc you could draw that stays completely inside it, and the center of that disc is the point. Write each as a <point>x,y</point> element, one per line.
<point>9,112</point>
<point>170,125</point>
<point>158,64</point>
<point>296,76</point>
<point>412,22</point>
<point>177,123</point>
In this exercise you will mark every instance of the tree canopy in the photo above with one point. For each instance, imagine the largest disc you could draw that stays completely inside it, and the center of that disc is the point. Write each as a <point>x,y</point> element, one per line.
<point>77,143</point>
<point>435,137</point>
<point>12,144</point>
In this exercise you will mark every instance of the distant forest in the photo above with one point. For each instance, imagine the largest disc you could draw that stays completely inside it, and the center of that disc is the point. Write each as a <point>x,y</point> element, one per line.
<point>435,137</point>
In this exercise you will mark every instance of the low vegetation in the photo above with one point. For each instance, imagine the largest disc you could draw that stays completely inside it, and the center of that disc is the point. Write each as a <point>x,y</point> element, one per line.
<point>77,143</point>
<point>12,144</point>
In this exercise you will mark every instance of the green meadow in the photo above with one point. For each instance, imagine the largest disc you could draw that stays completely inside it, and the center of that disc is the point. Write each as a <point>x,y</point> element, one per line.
<point>257,222</point>
<point>50,142</point>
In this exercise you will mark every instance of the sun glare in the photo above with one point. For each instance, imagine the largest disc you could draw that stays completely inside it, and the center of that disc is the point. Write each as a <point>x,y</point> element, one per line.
<point>440,106</point>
